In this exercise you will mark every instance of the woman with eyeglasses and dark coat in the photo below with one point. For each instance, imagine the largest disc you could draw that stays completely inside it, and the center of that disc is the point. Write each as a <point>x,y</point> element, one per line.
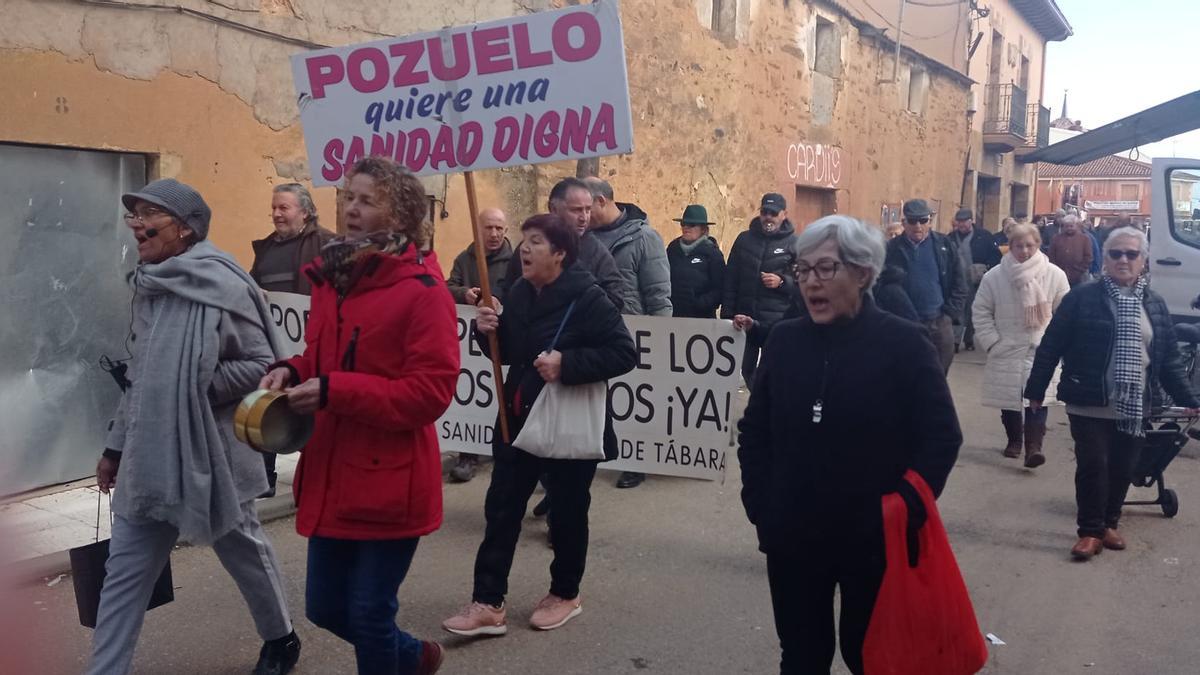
<point>1116,342</point>
<point>846,401</point>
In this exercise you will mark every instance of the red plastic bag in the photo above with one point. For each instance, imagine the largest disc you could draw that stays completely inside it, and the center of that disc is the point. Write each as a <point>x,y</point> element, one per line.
<point>923,622</point>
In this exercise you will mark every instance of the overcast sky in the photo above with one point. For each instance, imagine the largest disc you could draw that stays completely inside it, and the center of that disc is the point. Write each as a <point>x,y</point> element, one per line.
<point>1126,56</point>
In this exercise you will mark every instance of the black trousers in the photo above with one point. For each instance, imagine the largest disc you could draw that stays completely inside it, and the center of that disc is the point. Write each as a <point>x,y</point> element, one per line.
<point>852,559</point>
<point>750,358</point>
<point>513,482</point>
<point>1104,459</point>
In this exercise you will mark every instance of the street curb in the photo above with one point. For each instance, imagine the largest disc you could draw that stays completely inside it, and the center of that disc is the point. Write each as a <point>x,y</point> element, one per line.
<point>34,570</point>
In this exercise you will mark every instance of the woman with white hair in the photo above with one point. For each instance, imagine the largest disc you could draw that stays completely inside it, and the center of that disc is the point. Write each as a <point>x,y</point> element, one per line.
<point>1011,311</point>
<point>1116,342</point>
<point>874,403</point>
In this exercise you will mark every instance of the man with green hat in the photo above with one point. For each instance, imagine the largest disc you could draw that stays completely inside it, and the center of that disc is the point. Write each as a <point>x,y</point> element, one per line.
<point>697,267</point>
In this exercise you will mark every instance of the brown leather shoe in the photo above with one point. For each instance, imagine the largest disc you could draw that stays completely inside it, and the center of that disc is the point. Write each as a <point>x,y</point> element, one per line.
<point>1113,540</point>
<point>1087,548</point>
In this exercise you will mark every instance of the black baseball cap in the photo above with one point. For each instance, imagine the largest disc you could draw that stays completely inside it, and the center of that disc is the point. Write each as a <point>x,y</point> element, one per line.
<point>774,201</point>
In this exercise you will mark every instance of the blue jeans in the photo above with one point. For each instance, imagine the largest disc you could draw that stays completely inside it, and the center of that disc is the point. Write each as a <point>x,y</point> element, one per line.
<point>351,592</point>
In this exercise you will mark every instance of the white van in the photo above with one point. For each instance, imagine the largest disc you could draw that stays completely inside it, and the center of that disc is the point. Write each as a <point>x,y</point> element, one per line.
<point>1175,234</point>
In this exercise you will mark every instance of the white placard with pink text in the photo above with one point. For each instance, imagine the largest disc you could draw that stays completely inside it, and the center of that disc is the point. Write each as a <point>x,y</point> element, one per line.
<point>537,88</point>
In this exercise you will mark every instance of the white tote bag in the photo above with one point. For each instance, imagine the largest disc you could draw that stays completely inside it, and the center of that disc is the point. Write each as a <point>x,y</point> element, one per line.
<point>566,421</point>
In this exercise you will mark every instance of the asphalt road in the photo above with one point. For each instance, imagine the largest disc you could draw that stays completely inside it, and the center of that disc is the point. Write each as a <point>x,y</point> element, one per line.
<point>675,585</point>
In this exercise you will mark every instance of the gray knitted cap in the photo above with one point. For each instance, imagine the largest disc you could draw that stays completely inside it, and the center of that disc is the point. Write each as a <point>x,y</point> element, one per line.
<point>180,200</point>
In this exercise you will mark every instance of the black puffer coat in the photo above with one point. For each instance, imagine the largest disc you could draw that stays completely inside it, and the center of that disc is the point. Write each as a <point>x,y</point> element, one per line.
<point>1082,334</point>
<point>886,408</point>
<point>594,343</point>
<point>697,280</point>
<point>753,253</point>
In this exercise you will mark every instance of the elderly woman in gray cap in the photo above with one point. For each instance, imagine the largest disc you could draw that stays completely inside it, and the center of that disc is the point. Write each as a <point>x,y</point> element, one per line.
<point>201,343</point>
<point>846,401</point>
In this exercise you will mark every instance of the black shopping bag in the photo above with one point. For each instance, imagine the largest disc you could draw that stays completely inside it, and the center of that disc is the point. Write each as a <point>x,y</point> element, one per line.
<point>87,573</point>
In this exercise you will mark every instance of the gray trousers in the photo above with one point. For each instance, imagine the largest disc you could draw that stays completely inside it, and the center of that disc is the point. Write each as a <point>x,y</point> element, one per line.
<point>136,556</point>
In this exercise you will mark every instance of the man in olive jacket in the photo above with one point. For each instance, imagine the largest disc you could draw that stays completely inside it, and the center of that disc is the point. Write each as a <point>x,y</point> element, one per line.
<point>464,277</point>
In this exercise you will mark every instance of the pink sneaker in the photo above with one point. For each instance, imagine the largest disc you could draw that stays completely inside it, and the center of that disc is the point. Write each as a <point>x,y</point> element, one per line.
<point>554,611</point>
<point>477,618</point>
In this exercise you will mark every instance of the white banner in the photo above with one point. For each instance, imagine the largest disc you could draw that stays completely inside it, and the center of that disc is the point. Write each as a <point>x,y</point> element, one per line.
<point>541,87</point>
<point>672,413</point>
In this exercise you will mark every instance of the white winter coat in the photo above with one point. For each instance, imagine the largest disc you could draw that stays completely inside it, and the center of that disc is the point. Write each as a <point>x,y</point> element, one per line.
<point>1000,331</point>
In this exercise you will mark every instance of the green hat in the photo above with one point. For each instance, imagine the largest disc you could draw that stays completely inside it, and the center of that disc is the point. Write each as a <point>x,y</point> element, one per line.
<point>694,214</point>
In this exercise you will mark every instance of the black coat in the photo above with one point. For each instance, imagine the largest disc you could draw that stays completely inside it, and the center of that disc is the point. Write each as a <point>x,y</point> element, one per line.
<point>984,249</point>
<point>890,294</point>
<point>697,280</point>
<point>952,276</point>
<point>595,345</point>
<point>753,253</point>
<point>593,258</point>
<point>886,409</point>
<point>1082,334</point>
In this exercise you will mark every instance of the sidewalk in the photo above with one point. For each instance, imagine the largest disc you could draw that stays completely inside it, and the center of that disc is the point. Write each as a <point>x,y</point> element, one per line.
<point>47,523</point>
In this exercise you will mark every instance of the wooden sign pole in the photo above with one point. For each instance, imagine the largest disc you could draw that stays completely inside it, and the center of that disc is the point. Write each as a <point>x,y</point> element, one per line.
<point>485,288</point>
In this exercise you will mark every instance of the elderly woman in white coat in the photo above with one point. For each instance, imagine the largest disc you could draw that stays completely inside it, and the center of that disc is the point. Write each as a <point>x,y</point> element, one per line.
<point>1011,311</point>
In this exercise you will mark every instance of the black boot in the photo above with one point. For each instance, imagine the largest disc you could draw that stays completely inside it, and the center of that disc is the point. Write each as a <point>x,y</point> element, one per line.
<point>1013,427</point>
<point>629,479</point>
<point>278,657</point>
<point>1035,432</point>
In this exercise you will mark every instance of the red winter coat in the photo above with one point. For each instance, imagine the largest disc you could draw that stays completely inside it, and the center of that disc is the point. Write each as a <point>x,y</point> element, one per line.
<point>390,354</point>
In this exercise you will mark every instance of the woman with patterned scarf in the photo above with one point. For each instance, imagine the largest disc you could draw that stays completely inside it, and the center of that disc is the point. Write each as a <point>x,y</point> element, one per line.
<point>1116,341</point>
<point>379,367</point>
<point>1012,309</point>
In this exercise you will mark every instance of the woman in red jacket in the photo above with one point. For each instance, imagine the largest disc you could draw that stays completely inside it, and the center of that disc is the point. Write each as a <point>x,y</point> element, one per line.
<point>379,368</point>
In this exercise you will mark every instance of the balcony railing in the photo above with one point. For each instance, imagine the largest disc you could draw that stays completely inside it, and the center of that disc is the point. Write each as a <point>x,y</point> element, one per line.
<point>1038,124</point>
<point>1006,110</point>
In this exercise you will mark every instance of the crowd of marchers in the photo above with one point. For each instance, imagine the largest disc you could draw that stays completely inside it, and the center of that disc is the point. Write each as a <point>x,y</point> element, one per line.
<point>850,330</point>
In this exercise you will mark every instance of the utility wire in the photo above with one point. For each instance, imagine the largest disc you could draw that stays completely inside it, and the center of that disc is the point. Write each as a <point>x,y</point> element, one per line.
<point>205,16</point>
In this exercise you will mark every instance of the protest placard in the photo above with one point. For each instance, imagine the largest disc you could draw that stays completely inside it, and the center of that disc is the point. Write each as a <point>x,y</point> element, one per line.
<point>672,413</point>
<point>541,87</point>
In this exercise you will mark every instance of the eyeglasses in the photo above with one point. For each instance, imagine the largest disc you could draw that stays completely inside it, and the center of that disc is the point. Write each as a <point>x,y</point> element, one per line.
<point>1130,254</point>
<point>914,221</point>
<point>824,270</point>
<point>145,216</point>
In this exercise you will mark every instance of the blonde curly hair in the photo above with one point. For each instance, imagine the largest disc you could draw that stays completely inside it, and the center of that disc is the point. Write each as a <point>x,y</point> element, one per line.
<point>405,196</point>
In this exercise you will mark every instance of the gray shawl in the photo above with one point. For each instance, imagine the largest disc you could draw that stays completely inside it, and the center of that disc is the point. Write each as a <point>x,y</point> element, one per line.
<point>178,463</point>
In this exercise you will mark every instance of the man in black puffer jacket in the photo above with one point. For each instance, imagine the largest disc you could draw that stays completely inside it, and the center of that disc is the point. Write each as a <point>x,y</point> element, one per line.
<point>758,278</point>
<point>697,267</point>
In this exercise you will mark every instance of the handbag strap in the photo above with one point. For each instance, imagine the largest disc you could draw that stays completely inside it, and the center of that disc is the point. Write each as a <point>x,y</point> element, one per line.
<point>558,333</point>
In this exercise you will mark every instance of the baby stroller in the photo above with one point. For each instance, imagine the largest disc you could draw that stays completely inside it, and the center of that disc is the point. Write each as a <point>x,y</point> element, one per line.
<point>1167,431</point>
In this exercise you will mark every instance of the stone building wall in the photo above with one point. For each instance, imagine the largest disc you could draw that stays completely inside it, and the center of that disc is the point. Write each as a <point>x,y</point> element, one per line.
<point>720,115</point>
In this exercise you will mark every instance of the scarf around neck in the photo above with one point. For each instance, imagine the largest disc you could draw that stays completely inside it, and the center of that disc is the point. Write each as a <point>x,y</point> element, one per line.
<point>1027,280</point>
<point>175,465</point>
<point>1128,369</point>
<point>688,248</point>
<point>340,257</point>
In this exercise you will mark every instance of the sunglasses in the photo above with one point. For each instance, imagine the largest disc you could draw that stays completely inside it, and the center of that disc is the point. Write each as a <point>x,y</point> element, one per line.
<point>768,212</point>
<point>1129,254</point>
<point>914,221</point>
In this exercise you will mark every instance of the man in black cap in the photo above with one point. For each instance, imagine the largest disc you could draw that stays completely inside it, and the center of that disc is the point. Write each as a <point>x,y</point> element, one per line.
<point>201,341</point>
<point>934,278</point>
<point>977,253</point>
<point>758,278</point>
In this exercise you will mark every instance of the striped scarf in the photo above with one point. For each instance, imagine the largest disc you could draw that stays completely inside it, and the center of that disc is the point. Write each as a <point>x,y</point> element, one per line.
<point>1128,369</point>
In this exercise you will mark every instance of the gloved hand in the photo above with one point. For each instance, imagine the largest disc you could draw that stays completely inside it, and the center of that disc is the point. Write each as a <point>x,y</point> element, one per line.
<point>917,515</point>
